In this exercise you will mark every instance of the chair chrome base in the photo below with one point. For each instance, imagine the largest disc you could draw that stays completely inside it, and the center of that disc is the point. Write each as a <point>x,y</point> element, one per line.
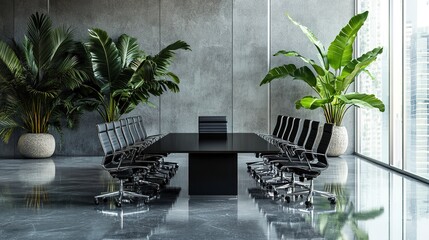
<point>121,195</point>
<point>308,190</point>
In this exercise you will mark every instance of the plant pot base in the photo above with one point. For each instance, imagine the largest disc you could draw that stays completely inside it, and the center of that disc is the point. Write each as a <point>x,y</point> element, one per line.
<point>339,142</point>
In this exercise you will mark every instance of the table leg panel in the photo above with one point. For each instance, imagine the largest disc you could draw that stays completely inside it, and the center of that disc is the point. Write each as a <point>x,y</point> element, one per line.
<point>213,174</point>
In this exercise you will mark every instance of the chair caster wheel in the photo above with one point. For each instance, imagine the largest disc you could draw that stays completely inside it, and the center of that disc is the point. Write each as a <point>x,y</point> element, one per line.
<point>287,199</point>
<point>333,201</point>
<point>146,201</point>
<point>118,204</point>
<point>308,204</point>
<point>96,202</point>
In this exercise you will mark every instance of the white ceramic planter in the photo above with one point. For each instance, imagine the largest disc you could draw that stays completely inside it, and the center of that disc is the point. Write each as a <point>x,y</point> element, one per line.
<point>36,145</point>
<point>339,142</point>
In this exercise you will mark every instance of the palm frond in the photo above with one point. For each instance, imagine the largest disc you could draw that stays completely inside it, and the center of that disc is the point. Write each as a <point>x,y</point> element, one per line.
<point>164,58</point>
<point>106,62</point>
<point>7,126</point>
<point>39,33</point>
<point>128,49</point>
<point>10,66</point>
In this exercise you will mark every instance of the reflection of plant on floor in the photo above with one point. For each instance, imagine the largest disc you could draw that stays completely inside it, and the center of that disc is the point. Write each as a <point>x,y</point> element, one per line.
<point>37,197</point>
<point>5,195</point>
<point>110,184</point>
<point>331,225</point>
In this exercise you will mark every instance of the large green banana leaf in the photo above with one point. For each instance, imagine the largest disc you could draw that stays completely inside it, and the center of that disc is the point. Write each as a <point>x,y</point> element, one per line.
<point>278,73</point>
<point>356,66</point>
<point>317,43</point>
<point>310,102</point>
<point>341,49</point>
<point>362,100</point>
<point>316,67</point>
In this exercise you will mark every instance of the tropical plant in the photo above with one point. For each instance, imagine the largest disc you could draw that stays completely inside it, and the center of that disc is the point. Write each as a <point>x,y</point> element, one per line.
<point>334,75</point>
<point>43,81</point>
<point>125,75</point>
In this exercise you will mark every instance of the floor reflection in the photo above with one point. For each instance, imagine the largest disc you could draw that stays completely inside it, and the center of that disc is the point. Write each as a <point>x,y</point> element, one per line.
<point>53,199</point>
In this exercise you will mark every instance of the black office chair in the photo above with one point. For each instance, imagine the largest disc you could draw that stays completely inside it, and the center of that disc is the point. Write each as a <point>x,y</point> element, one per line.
<point>276,130</point>
<point>112,163</point>
<point>139,121</point>
<point>212,124</point>
<point>266,174</point>
<point>314,163</point>
<point>138,124</point>
<point>287,135</point>
<point>288,148</point>
<point>277,133</point>
<point>151,163</point>
<point>290,153</point>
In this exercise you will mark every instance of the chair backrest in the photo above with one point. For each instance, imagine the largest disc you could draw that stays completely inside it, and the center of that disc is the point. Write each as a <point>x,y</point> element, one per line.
<point>140,118</point>
<point>282,128</point>
<point>137,125</point>
<point>294,130</point>
<point>112,136</point>
<point>132,121</point>
<point>289,124</point>
<point>312,135</point>
<point>304,132</point>
<point>212,124</point>
<point>104,139</point>
<point>133,131</point>
<point>322,148</point>
<point>278,123</point>
<point>121,138</point>
<point>325,139</point>
<point>126,132</point>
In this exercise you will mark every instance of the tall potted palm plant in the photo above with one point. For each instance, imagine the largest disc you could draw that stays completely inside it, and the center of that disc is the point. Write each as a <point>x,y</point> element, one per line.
<point>332,78</point>
<point>125,75</point>
<point>40,85</point>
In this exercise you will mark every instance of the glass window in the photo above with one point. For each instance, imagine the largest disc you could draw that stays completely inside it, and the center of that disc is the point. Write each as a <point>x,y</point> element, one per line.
<point>416,86</point>
<point>373,134</point>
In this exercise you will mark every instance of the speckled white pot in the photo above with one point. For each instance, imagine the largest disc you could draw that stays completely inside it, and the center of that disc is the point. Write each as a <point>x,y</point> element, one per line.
<point>339,141</point>
<point>36,145</point>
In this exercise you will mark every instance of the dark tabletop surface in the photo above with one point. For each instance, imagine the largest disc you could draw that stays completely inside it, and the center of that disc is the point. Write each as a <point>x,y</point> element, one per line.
<point>211,143</point>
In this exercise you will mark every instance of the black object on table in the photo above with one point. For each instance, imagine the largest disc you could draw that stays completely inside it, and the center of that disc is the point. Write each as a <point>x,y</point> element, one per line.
<point>212,124</point>
<point>212,158</point>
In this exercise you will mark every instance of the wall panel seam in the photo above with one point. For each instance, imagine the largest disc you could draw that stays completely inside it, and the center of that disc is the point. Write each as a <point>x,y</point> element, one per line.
<point>232,65</point>
<point>159,49</point>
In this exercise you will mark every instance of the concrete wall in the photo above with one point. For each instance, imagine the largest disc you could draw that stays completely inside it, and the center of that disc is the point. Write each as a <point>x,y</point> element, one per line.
<point>229,40</point>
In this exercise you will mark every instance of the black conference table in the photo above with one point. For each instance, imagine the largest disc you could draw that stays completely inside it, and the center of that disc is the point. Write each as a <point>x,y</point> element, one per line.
<point>212,158</point>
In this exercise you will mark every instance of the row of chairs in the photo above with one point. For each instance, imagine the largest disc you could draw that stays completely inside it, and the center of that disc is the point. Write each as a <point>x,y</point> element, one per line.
<point>302,154</point>
<point>140,175</point>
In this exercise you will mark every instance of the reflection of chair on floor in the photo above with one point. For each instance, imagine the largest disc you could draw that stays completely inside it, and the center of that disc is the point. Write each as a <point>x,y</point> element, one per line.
<point>287,223</point>
<point>119,212</point>
<point>137,221</point>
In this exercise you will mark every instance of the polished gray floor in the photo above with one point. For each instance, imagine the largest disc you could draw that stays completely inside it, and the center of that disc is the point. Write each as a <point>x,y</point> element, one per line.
<point>53,199</point>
